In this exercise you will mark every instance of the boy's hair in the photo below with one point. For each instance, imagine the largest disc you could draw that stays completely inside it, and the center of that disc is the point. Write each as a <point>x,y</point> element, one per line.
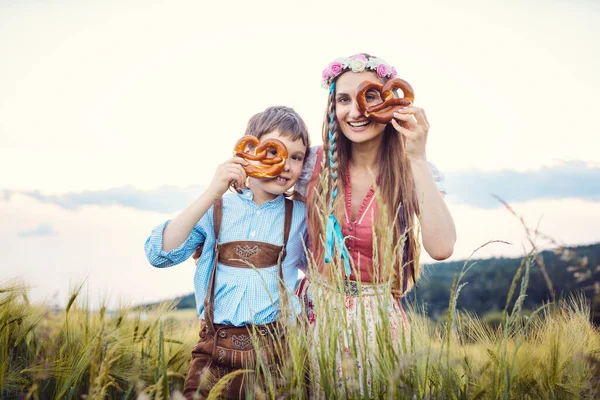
<point>287,121</point>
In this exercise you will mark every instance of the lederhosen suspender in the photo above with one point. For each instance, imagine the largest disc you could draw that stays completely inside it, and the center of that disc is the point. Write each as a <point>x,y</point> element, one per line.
<point>244,254</point>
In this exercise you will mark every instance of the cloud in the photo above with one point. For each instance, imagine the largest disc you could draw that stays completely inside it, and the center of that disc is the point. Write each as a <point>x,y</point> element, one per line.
<point>6,195</point>
<point>573,179</point>
<point>164,199</point>
<point>40,230</point>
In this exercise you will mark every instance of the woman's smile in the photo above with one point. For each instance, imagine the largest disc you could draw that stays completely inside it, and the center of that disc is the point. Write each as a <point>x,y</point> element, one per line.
<point>357,125</point>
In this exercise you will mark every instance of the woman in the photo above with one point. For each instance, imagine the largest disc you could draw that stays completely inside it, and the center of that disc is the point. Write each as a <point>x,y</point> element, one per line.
<point>369,191</point>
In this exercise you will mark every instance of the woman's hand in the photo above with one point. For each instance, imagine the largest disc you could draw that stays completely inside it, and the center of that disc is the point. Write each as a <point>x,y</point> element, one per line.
<point>229,172</point>
<point>414,126</point>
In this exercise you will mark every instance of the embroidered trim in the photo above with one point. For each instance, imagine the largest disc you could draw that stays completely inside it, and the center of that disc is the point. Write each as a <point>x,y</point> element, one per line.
<point>246,252</point>
<point>364,211</point>
<point>241,341</point>
<point>364,205</point>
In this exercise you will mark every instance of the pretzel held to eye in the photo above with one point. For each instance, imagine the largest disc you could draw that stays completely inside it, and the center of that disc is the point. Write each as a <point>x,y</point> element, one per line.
<point>268,159</point>
<point>383,112</point>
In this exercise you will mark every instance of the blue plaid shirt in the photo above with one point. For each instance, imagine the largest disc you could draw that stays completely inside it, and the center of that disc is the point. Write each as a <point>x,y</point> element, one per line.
<point>242,295</point>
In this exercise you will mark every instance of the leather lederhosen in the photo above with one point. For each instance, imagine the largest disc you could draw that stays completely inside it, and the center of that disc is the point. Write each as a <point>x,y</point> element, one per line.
<point>225,348</point>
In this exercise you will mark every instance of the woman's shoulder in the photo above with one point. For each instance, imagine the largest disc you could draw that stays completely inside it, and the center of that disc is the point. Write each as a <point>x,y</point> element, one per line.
<point>311,160</point>
<point>307,170</point>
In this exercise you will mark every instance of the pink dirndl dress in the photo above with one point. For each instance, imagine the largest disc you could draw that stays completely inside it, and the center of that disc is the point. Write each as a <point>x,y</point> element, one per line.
<point>365,309</point>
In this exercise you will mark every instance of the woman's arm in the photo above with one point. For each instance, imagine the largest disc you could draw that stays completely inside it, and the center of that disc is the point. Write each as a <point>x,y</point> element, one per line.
<point>437,226</point>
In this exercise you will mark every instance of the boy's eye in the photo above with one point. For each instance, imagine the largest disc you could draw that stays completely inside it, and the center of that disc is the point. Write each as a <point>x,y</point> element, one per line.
<point>297,158</point>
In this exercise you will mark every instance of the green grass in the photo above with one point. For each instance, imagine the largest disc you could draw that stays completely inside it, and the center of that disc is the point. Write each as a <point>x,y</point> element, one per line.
<point>549,353</point>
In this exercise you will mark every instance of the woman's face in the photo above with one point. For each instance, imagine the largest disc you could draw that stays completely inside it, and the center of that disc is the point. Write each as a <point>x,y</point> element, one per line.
<point>353,124</point>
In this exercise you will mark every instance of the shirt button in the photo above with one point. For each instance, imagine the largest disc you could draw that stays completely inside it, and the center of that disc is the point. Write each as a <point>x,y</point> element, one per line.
<point>258,212</point>
<point>252,234</point>
<point>350,228</point>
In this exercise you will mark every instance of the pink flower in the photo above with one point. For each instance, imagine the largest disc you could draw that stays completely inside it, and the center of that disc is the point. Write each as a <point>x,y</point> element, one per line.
<point>382,70</point>
<point>327,73</point>
<point>358,57</point>
<point>336,68</point>
<point>394,72</point>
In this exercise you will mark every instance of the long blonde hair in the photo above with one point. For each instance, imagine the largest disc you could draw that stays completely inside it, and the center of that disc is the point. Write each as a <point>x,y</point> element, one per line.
<point>395,185</point>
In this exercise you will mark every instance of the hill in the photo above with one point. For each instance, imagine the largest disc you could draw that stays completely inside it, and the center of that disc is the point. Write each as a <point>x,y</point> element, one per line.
<point>570,270</point>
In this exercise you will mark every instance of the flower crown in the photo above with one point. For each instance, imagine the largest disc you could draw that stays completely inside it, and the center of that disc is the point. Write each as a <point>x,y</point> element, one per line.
<point>356,63</point>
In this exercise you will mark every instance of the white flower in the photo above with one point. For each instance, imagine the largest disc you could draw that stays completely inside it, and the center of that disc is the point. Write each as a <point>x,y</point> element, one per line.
<point>357,65</point>
<point>345,61</point>
<point>374,62</point>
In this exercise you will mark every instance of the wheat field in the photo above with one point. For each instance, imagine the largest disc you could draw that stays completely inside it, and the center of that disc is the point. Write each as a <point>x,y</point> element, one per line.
<point>74,353</point>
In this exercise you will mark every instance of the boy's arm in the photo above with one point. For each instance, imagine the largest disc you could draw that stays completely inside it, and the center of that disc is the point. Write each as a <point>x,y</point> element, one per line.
<point>175,241</point>
<point>181,226</point>
<point>162,259</point>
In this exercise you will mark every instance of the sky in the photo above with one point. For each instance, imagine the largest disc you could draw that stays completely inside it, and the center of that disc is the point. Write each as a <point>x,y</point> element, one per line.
<point>114,116</point>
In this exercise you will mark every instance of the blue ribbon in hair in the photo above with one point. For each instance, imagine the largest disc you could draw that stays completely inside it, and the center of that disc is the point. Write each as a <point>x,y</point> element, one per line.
<point>334,237</point>
<point>333,233</point>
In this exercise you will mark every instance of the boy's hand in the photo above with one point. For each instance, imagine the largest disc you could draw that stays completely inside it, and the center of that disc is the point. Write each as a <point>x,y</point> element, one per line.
<point>229,172</point>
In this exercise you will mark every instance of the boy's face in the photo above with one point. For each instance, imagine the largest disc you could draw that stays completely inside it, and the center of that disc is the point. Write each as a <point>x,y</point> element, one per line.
<point>268,189</point>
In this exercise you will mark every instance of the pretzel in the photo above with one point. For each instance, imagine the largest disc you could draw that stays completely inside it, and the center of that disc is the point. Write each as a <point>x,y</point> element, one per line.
<point>384,112</point>
<point>260,165</point>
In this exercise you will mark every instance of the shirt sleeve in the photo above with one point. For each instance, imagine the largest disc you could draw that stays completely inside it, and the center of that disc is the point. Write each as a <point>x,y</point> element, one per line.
<point>307,171</point>
<point>439,178</point>
<point>162,259</point>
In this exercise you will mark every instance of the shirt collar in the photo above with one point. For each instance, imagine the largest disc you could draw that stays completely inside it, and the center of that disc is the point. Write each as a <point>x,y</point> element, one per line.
<point>248,196</point>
